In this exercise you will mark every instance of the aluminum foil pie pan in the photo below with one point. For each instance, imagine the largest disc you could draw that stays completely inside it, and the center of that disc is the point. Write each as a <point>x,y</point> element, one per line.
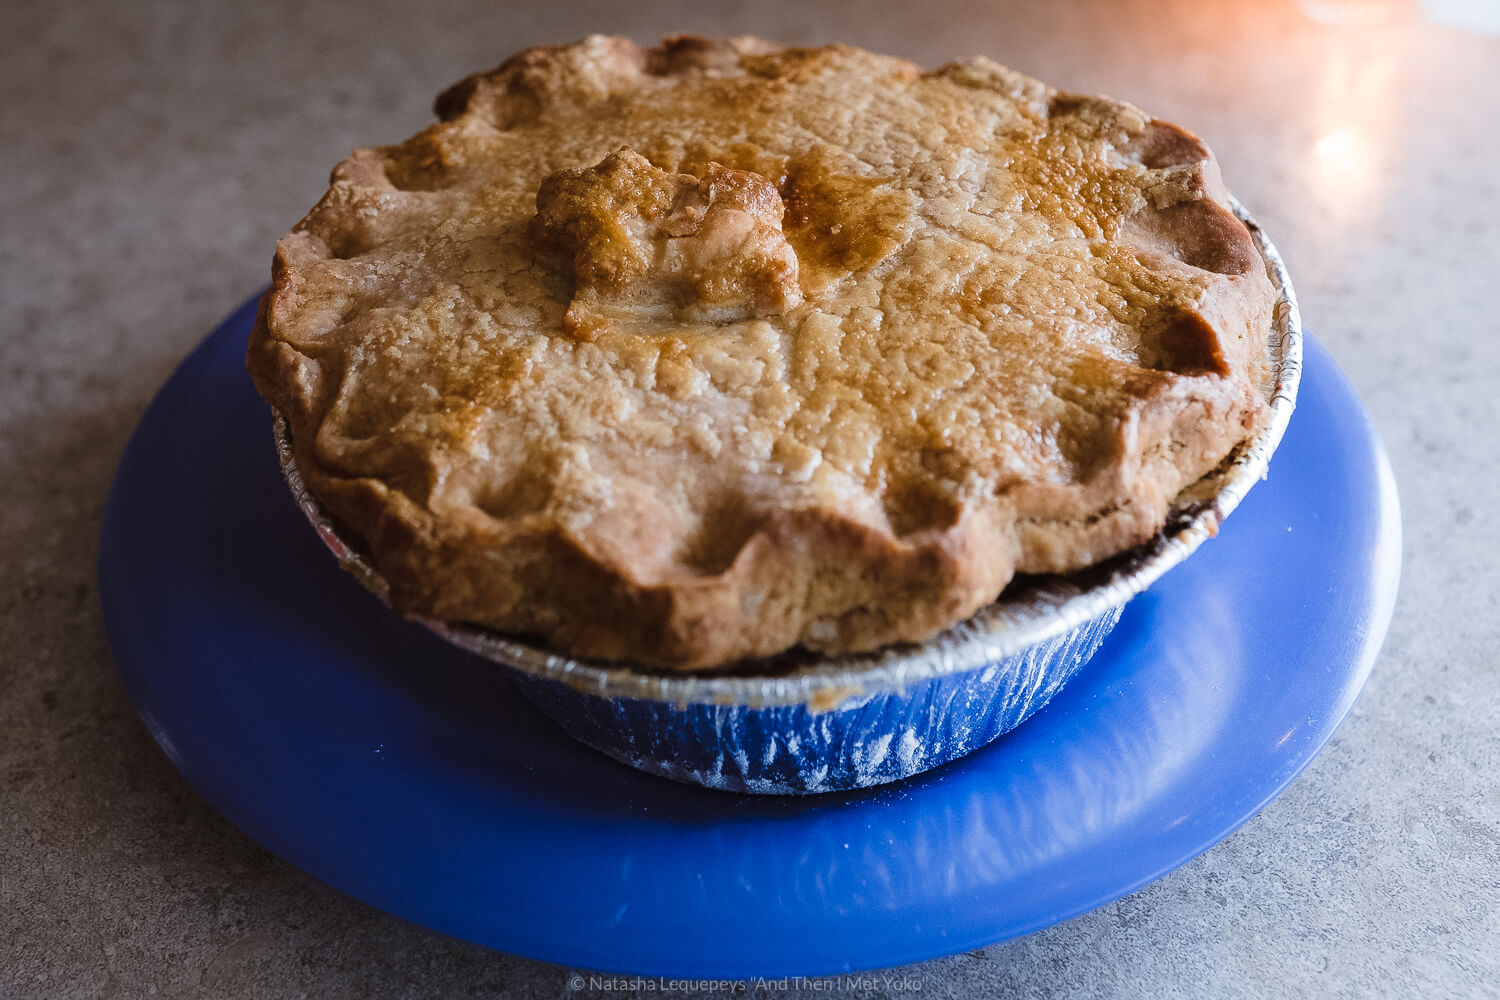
<point>798,724</point>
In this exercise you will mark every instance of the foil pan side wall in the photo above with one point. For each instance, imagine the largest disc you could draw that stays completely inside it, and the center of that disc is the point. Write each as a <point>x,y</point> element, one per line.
<point>793,749</point>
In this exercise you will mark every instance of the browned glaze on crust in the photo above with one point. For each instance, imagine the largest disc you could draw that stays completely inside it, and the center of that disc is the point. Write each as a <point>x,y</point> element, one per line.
<point>695,353</point>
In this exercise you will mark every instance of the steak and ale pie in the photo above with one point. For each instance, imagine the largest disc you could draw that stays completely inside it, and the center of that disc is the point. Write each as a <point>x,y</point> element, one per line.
<point>696,353</point>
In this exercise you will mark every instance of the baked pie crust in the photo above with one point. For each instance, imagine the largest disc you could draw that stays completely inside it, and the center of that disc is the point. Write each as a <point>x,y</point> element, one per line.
<point>690,354</point>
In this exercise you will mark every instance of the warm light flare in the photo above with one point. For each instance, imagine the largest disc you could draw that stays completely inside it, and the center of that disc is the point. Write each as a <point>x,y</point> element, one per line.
<point>1356,105</point>
<point>1343,159</point>
<point>1339,149</point>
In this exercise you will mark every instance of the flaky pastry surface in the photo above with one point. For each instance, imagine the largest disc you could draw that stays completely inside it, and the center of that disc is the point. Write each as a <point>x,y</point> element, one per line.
<point>695,353</point>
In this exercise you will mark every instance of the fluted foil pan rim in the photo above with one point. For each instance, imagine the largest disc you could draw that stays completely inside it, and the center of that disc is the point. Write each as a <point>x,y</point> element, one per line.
<point>1035,611</point>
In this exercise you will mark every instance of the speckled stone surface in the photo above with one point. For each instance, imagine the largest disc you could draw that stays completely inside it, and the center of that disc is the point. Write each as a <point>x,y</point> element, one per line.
<point>152,152</point>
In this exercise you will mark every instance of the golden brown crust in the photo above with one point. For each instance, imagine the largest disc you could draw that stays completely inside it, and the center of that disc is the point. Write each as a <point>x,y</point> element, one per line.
<point>695,353</point>
<point>645,246</point>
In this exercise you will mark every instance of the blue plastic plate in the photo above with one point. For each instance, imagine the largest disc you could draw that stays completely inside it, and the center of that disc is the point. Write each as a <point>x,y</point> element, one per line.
<point>367,752</point>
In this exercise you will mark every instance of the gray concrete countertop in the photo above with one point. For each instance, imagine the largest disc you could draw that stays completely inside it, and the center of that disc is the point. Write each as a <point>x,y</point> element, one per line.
<point>154,151</point>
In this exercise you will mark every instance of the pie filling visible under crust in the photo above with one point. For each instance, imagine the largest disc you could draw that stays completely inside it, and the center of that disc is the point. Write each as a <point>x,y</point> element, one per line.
<point>696,353</point>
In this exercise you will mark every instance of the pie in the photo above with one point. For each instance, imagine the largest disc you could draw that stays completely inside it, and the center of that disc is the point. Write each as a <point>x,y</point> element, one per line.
<point>696,353</point>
